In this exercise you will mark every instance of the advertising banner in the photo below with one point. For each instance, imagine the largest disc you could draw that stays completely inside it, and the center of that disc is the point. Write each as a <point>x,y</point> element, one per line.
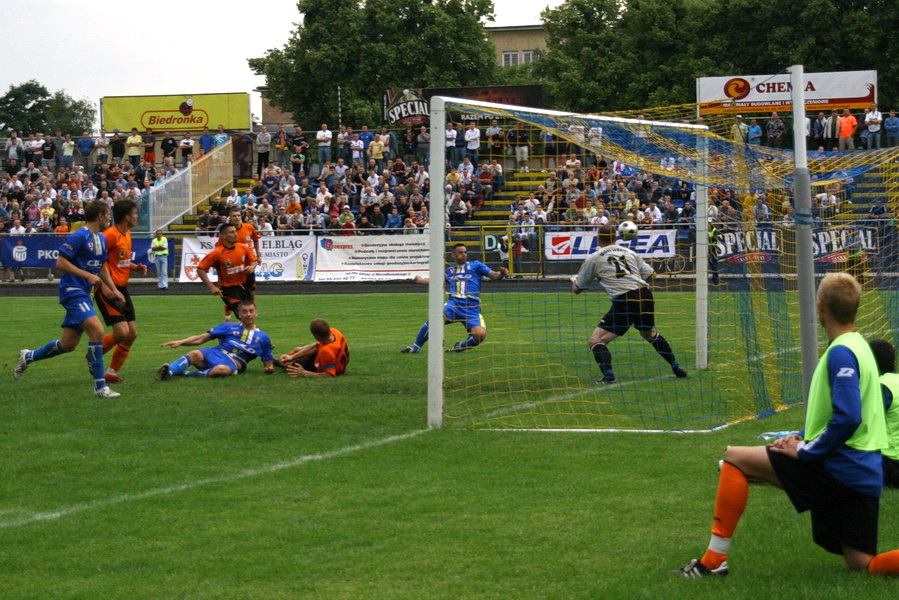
<point>411,106</point>
<point>768,252</point>
<point>578,245</point>
<point>371,258</point>
<point>176,113</point>
<point>283,258</point>
<point>765,93</point>
<point>43,250</point>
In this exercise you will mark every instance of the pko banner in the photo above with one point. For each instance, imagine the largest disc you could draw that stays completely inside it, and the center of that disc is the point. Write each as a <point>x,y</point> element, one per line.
<point>283,258</point>
<point>764,93</point>
<point>43,250</point>
<point>578,245</point>
<point>371,257</point>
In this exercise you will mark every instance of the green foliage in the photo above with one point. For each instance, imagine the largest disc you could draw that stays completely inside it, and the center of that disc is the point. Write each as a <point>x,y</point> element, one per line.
<point>29,108</point>
<point>608,55</point>
<point>367,47</point>
<point>69,115</point>
<point>23,108</point>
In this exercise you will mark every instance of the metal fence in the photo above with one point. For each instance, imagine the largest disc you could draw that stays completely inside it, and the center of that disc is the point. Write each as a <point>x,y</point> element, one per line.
<point>182,192</point>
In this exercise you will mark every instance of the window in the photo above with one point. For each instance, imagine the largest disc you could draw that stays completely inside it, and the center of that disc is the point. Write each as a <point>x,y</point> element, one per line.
<point>527,56</point>
<point>510,59</point>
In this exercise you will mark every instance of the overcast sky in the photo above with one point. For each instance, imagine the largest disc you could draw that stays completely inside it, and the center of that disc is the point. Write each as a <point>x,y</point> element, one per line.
<point>96,48</point>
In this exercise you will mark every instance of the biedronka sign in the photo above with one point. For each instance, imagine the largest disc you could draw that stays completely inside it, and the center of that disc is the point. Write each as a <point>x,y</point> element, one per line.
<point>176,113</point>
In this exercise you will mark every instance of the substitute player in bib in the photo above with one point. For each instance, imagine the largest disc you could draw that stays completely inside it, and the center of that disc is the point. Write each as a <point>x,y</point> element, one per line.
<point>234,262</point>
<point>327,356</point>
<point>120,317</point>
<point>834,468</point>
<point>82,259</point>
<point>464,302</point>
<point>622,274</point>
<point>248,236</point>
<point>885,355</point>
<point>239,343</point>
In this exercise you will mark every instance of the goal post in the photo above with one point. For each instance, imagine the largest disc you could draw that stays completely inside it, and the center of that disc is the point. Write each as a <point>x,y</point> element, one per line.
<point>729,307</point>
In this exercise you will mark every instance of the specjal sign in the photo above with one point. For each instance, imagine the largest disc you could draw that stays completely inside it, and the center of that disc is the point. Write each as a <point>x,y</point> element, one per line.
<point>412,106</point>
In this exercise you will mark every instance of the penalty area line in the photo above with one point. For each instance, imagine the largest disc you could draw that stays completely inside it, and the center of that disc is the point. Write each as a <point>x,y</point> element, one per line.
<point>189,485</point>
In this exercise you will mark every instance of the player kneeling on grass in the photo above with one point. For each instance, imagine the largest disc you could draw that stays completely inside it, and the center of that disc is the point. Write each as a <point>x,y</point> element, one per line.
<point>464,303</point>
<point>885,355</point>
<point>239,343</point>
<point>622,274</point>
<point>327,356</point>
<point>834,468</point>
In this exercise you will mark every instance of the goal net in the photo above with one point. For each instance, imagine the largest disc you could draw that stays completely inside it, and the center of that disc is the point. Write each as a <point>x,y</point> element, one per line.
<point>725,286</point>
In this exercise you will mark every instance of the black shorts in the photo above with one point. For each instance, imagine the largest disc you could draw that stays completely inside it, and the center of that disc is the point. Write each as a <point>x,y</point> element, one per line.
<point>233,294</point>
<point>840,515</point>
<point>890,472</point>
<point>634,308</point>
<point>116,313</point>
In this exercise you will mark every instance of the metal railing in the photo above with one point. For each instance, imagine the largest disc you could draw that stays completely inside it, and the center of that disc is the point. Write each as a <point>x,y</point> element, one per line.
<point>179,194</point>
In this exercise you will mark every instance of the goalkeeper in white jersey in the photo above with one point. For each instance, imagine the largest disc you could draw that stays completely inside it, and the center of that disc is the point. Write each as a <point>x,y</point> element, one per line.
<point>622,274</point>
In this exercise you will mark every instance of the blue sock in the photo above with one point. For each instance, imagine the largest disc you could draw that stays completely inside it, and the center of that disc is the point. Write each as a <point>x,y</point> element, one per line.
<point>95,360</point>
<point>471,342</point>
<point>48,350</point>
<point>179,366</point>
<point>422,336</point>
<point>203,373</point>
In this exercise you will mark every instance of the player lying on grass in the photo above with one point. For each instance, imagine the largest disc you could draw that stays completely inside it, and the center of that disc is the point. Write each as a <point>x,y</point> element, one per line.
<point>834,468</point>
<point>327,356</point>
<point>622,274</point>
<point>239,343</point>
<point>464,302</point>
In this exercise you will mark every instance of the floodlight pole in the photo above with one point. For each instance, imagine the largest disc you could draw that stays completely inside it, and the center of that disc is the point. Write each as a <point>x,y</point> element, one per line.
<point>802,200</point>
<point>437,213</point>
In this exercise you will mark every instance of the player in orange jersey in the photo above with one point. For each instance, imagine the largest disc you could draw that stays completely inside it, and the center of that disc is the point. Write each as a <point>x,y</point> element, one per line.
<point>119,315</point>
<point>327,356</point>
<point>247,235</point>
<point>234,262</point>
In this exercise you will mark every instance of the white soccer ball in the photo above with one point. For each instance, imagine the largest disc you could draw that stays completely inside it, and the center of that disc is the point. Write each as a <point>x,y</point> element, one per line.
<point>627,230</point>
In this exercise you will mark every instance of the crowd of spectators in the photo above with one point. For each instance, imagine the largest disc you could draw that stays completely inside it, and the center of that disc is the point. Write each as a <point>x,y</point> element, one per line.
<point>46,178</point>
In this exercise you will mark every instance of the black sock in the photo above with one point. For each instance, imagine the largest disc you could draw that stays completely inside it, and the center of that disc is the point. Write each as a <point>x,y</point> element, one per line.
<point>664,349</point>
<point>603,358</point>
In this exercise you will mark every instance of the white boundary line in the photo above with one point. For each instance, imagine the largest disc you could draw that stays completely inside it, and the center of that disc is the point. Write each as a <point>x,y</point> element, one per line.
<point>189,485</point>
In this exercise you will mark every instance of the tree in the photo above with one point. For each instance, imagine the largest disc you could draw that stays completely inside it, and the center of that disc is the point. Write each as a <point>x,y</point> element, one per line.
<point>367,47</point>
<point>29,108</point>
<point>606,55</point>
<point>69,115</point>
<point>23,108</point>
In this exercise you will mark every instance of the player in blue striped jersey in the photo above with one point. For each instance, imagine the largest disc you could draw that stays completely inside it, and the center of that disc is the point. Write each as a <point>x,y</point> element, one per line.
<point>239,343</point>
<point>463,280</point>
<point>82,259</point>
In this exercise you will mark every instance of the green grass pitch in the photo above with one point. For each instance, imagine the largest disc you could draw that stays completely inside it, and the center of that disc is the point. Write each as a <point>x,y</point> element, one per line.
<point>274,488</point>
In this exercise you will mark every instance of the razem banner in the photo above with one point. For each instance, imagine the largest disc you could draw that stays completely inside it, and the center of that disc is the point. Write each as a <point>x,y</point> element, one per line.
<point>43,250</point>
<point>191,112</point>
<point>578,245</point>
<point>371,257</point>
<point>763,93</point>
<point>283,258</point>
